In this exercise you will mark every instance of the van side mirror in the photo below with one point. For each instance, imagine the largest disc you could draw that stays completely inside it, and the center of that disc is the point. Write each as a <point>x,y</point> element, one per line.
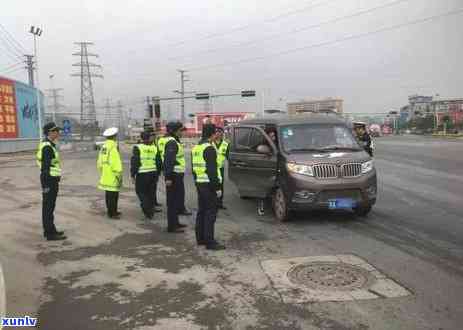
<point>264,149</point>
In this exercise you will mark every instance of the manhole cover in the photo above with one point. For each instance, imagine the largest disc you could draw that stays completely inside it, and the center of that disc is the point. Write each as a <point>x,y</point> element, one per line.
<point>330,276</point>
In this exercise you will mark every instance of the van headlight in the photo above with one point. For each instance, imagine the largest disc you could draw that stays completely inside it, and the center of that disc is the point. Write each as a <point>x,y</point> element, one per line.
<point>300,169</point>
<point>367,167</point>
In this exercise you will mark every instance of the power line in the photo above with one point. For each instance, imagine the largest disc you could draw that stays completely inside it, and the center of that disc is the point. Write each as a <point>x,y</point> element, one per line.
<point>311,5</point>
<point>18,46</point>
<point>11,53</point>
<point>11,66</point>
<point>13,70</point>
<point>335,41</point>
<point>297,30</point>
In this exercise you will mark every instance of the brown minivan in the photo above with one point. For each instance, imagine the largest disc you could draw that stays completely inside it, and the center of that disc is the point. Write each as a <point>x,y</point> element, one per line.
<point>302,162</point>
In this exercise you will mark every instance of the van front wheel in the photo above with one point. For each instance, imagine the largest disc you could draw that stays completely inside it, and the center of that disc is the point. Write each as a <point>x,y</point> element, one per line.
<point>280,205</point>
<point>362,211</point>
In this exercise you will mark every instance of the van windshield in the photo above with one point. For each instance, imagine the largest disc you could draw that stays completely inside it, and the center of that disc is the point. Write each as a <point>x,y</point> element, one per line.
<point>317,137</point>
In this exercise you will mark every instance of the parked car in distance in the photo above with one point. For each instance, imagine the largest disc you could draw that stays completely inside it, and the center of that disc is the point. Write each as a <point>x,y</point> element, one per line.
<point>314,163</point>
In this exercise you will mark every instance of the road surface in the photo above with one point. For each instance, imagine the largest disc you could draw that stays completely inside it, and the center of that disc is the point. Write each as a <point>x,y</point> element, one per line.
<point>129,275</point>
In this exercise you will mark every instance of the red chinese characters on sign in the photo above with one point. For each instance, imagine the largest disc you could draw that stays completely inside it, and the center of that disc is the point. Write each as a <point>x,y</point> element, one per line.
<point>8,122</point>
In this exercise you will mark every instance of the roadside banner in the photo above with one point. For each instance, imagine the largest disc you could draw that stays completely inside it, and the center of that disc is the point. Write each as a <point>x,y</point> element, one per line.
<point>8,120</point>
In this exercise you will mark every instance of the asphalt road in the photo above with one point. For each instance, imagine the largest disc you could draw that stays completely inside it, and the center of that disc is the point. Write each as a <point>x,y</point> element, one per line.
<point>129,275</point>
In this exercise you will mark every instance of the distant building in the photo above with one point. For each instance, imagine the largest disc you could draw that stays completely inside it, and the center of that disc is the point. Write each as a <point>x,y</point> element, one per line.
<point>452,107</point>
<point>419,105</point>
<point>323,105</point>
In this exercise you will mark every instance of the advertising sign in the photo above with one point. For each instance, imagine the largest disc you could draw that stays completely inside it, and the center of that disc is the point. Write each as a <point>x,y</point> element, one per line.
<point>220,119</point>
<point>8,122</point>
<point>26,105</point>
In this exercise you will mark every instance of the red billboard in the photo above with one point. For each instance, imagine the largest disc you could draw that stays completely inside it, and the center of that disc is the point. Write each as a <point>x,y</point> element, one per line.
<point>220,119</point>
<point>8,121</point>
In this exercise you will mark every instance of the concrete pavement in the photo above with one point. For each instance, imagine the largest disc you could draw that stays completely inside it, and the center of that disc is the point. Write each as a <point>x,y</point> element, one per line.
<point>130,275</point>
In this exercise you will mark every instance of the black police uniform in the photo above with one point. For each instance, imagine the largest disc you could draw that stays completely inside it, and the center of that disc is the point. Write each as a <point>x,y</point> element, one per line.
<point>207,201</point>
<point>176,191</point>
<point>50,188</point>
<point>366,141</point>
<point>145,183</point>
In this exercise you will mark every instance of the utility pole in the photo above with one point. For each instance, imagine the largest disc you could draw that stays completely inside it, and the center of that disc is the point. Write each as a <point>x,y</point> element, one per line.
<point>87,99</point>
<point>37,32</point>
<point>182,93</point>
<point>30,68</point>
<point>120,119</point>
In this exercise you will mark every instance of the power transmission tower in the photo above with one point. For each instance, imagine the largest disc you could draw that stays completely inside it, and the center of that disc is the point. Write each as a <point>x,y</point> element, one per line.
<point>53,95</point>
<point>87,99</point>
<point>30,68</point>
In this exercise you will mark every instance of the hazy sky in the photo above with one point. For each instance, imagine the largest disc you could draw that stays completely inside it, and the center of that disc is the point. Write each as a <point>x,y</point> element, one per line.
<point>142,43</point>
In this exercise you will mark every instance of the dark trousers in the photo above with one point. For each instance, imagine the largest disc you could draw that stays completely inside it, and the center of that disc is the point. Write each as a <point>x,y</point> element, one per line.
<point>112,198</point>
<point>182,192</point>
<point>207,214</point>
<point>145,187</point>
<point>156,180</point>
<point>222,173</point>
<point>49,194</point>
<point>174,200</point>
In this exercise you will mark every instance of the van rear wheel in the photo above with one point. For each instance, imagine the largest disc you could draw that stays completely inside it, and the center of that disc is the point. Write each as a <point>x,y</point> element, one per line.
<point>280,206</point>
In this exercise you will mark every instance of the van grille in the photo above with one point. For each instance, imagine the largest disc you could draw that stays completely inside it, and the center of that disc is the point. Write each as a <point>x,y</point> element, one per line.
<point>351,170</point>
<point>332,171</point>
<point>325,171</point>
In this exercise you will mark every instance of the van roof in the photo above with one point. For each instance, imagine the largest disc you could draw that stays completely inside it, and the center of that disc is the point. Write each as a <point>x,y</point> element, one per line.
<point>309,118</point>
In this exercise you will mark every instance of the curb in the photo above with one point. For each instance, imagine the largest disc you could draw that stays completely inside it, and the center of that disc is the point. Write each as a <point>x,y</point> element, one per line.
<point>2,296</point>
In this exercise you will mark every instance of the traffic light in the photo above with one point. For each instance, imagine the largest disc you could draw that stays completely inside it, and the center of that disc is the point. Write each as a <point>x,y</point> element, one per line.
<point>248,93</point>
<point>150,111</point>
<point>202,96</point>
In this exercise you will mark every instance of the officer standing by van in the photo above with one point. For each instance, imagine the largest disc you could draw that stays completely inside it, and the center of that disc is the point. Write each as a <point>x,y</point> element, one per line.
<point>223,150</point>
<point>144,166</point>
<point>109,165</point>
<point>207,179</point>
<point>173,159</point>
<point>49,161</point>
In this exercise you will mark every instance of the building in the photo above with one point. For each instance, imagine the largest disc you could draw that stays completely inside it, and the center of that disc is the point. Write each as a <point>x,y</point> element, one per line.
<point>451,107</point>
<point>321,105</point>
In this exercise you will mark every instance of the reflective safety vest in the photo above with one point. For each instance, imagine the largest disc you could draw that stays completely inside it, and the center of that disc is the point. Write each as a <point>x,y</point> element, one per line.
<point>221,153</point>
<point>55,167</point>
<point>109,165</point>
<point>199,163</point>
<point>147,158</point>
<point>180,158</point>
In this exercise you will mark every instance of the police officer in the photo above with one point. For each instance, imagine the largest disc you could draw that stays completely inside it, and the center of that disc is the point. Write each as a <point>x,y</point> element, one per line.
<point>48,160</point>
<point>144,166</point>
<point>173,159</point>
<point>109,165</point>
<point>223,150</point>
<point>156,201</point>
<point>365,139</point>
<point>207,179</point>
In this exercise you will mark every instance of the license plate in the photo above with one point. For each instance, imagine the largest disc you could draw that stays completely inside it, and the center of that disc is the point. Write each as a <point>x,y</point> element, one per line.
<point>341,203</point>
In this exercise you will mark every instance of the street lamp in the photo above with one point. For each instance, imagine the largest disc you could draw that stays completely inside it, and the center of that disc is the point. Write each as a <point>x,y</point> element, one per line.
<point>37,32</point>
